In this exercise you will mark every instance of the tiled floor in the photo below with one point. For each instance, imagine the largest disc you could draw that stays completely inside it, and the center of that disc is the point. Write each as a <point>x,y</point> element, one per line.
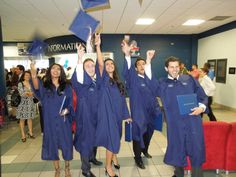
<point>24,159</point>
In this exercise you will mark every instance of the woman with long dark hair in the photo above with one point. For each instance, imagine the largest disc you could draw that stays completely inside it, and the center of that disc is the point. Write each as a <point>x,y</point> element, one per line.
<point>55,96</point>
<point>26,109</point>
<point>112,110</point>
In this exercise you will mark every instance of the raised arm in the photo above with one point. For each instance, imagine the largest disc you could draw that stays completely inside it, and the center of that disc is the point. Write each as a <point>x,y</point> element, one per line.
<point>79,70</point>
<point>148,69</point>
<point>34,76</point>
<point>99,53</point>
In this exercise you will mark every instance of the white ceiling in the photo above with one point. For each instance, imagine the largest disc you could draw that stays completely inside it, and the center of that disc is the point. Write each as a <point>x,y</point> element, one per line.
<point>21,19</point>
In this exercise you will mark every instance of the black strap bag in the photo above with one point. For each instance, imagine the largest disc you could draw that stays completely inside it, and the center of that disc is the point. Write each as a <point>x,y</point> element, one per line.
<point>15,98</point>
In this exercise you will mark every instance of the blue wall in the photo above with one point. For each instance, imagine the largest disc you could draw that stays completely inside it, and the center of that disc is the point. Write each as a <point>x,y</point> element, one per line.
<point>182,46</point>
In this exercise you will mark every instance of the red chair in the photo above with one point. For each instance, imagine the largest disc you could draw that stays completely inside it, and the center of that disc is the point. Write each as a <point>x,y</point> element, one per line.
<point>230,160</point>
<point>216,135</point>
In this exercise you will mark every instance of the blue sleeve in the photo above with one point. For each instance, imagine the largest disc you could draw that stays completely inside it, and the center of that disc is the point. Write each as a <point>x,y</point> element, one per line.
<point>69,105</point>
<point>201,96</point>
<point>74,81</point>
<point>129,75</point>
<point>126,114</point>
<point>39,93</point>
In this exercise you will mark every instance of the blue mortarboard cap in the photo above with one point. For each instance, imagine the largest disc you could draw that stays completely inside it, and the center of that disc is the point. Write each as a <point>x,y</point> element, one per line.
<point>83,25</point>
<point>37,47</point>
<point>87,4</point>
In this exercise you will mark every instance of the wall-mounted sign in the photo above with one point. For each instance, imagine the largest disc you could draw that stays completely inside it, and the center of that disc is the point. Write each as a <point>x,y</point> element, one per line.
<point>232,70</point>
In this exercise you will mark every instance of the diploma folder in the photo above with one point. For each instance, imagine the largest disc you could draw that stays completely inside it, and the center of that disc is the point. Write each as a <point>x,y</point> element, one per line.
<point>128,132</point>
<point>186,103</point>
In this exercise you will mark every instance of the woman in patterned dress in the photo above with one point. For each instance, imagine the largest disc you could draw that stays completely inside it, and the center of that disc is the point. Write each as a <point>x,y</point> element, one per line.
<point>26,109</point>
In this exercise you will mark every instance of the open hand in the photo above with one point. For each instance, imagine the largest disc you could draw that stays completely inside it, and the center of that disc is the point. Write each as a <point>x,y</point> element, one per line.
<point>196,111</point>
<point>97,39</point>
<point>150,54</point>
<point>80,50</point>
<point>125,48</point>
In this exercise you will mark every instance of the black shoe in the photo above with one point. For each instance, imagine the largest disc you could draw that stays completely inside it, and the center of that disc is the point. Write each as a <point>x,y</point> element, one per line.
<point>147,155</point>
<point>117,166</point>
<point>174,176</point>
<point>30,136</point>
<point>96,162</point>
<point>106,173</point>
<point>23,140</point>
<point>89,174</point>
<point>140,164</point>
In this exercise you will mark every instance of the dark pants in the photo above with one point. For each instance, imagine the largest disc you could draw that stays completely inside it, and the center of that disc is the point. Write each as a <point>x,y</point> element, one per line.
<point>94,153</point>
<point>85,164</point>
<point>137,147</point>
<point>196,172</point>
<point>210,114</point>
<point>85,161</point>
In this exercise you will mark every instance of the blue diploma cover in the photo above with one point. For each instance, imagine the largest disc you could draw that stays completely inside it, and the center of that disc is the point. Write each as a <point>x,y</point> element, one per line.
<point>128,132</point>
<point>186,103</point>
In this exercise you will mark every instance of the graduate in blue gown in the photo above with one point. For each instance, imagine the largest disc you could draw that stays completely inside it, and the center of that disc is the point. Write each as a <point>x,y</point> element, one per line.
<point>55,96</point>
<point>143,103</point>
<point>86,88</point>
<point>112,109</point>
<point>184,132</point>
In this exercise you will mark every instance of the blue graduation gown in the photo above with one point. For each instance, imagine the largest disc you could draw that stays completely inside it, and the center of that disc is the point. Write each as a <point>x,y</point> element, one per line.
<point>184,132</point>
<point>143,103</point>
<point>57,133</point>
<point>86,114</point>
<point>112,109</point>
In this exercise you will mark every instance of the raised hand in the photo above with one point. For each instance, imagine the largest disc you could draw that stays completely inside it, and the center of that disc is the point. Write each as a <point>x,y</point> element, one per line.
<point>80,51</point>
<point>150,54</point>
<point>97,39</point>
<point>33,69</point>
<point>125,48</point>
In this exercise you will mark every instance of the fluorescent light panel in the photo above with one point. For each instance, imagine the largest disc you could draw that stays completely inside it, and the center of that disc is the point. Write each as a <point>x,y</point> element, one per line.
<point>145,21</point>
<point>193,22</point>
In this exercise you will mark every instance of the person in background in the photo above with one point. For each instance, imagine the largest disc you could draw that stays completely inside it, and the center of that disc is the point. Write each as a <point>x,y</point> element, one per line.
<point>55,96</point>
<point>112,109</point>
<point>69,73</point>
<point>184,131</point>
<point>209,88</point>
<point>26,109</point>
<point>143,103</point>
<point>211,72</point>
<point>183,69</point>
<point>16,77</point>
<point>194,72</point>
<point>84,83</point>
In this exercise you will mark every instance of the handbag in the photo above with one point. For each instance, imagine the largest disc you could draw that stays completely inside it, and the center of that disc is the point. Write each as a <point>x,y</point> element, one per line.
<point>15,98</point>
<point>35,100</point>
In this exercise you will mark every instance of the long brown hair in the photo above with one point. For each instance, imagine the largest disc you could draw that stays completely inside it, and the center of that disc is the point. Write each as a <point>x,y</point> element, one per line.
<point>116,80</point>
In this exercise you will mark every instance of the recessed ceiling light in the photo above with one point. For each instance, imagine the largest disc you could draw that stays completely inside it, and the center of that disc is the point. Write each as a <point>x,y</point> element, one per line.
<point>145,21</point>
<point>193,22</point>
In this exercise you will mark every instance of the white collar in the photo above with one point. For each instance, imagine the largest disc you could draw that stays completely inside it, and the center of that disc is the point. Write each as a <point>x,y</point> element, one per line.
<point>169,77</point>
<point>142,76</point>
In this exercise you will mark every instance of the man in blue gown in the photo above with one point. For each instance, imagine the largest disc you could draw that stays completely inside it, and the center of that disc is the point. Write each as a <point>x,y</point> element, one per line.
<point>84,83</point>
<point>184,132</point>
<point>143,103</point>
